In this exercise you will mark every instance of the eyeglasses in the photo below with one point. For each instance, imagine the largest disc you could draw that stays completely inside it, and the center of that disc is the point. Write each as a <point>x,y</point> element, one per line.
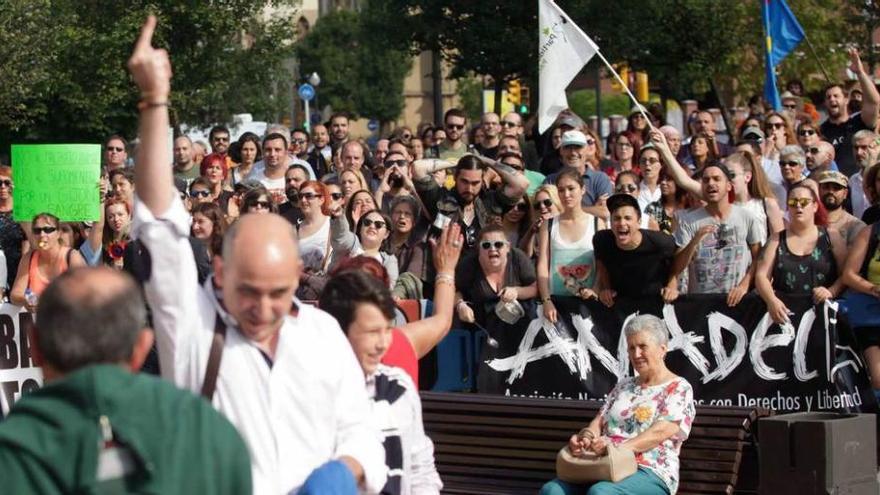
<point>802,202</point>
<point>789,163</point>
<point>813,151</point>
<point>115,149</point>
<point>775,125</point>
<point>521,207</point>
<point>544,203</point>
<point>789,107</point>
<point>649,161</point>
<point>455,126</point>
<point>336,196</point>
<point>44,230</point>
<point>395,163</point>
<point>298,141</point>
<point>379,224</point>
<point>487,245</point>
<point>310,195</point>
<point>200,194</point>
<point>806,132</point>
<point>263,204</point>
<point>222,139</point>
<point>6,183</point>
<point>591,142</point>
<point>406,136</point>
<point>509,124</point>
<point>628,188</point>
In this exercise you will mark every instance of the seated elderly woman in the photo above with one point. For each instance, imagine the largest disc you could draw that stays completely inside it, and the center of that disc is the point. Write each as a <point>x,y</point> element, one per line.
<point>650,414</point>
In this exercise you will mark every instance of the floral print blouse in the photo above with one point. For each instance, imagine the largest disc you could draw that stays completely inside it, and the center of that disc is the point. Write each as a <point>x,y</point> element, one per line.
<point>631,409</point>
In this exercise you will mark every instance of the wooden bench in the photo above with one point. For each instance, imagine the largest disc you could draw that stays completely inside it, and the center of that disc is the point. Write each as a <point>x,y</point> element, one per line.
<point>501,445</point>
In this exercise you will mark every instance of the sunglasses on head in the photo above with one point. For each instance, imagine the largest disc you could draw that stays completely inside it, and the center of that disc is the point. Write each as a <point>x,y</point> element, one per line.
<point>487,245</point>
<point>806,132</point>
<point>802,202</point>
<point>44,230</point>
<point>200,194</point>
<point>627,188</point>
<point>544,203</point>
<point>379,224</point>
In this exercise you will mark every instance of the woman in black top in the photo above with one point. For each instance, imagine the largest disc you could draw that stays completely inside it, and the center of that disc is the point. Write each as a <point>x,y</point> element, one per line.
<point>805,258</point>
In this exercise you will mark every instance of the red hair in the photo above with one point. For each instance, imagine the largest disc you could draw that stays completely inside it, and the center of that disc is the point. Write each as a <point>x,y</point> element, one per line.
<point>365,264</point>
<point>320,189</point>
<point>821,216</point>
<point>211,159</point>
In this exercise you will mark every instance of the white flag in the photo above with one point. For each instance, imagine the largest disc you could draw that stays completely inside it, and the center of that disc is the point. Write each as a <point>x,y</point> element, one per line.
<point>563,50</point>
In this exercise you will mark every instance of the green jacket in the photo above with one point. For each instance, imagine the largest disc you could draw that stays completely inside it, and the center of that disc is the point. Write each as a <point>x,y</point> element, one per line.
<point>50,441</point>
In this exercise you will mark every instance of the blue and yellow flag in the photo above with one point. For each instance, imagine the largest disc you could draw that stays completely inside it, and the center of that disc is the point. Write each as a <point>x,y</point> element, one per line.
<point>783,34</point>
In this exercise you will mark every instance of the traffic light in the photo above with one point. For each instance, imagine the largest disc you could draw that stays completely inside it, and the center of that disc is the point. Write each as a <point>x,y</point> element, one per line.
<point>524,100</point>
<point>642,93</point>
<point>514,94</point>
<point>623,70</point>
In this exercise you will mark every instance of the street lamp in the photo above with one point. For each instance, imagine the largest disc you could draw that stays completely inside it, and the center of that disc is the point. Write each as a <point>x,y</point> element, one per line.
<point>315,80</point>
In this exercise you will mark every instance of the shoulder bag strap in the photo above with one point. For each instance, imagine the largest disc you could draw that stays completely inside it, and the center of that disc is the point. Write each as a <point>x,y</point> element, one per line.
<point>214,357</point>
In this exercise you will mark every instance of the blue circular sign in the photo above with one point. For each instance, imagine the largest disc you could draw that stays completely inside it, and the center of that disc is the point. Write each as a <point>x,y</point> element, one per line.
<point>373,125</point>
<point>306,92</point>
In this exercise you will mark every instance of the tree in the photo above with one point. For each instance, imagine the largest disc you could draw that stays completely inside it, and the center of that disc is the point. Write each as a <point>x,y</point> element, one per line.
<point>68,60</point>
<point>361,72</point>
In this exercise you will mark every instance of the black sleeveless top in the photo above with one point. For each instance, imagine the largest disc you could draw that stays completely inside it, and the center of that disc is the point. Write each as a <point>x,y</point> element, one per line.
<point>794,274</point>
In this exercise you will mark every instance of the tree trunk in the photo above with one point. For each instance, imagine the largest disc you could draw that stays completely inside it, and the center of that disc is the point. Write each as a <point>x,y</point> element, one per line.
<point>499,87</point>
<point>437,87</point>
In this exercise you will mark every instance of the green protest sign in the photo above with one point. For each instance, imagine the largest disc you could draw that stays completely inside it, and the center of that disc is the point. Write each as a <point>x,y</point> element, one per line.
<point>61,179</point>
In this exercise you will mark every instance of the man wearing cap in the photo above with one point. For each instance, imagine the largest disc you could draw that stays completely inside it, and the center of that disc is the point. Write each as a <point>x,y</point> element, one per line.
<point>841,125</point>
<point>833,190</point>
<point>626,249</point>
<point>820,157</point>
<point>718,242</point>
<point>573,153</point>
<point>552,160</point>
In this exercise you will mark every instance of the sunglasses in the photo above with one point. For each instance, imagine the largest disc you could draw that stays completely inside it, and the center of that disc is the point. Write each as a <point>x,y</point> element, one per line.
<point>624,145</point>
<point>115,149</point>
<point>406,136</point>
<point>200,194</point>
<point>395,163</point>
<point>299,141</point>
<point>813,151</point>
<point>221,139</point>
<point>521,207</point>
<point>379,224</point>
<point>775,125</point>
<point>788,163</point>
<point>789,107</point>
<point>44,230</point>
<point>487,245</point>
<point>806,132</point>
<point>261,204</point>
<point>336,196</point>
<point>626,188</point>
<point>308,196</point>
<point>6,183</point>
<point>509,124</point>
<point>802,202</point>
<point>455,126</point>
<point>544,203</point>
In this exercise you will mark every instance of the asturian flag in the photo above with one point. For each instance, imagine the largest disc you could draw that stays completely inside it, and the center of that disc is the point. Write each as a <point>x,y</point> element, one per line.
<point>563,50</point>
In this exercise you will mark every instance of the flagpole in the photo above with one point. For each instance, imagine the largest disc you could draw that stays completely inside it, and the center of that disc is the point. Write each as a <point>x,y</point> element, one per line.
<point>816,56</point>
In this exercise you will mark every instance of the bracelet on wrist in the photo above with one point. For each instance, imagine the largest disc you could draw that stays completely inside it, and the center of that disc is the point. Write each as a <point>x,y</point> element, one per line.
<point>444,278</point>
<point>545,299</point>
<point>145,104</point>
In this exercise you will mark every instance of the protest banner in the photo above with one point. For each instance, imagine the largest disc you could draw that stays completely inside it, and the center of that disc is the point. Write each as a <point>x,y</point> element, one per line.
<point>61,179</point>
<point>18,373</point>
<point>731,356</point>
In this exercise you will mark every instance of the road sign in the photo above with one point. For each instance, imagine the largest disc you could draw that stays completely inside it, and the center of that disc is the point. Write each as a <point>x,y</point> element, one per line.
<point>315,118</point>
<point>373,125</point>
<point>306,92</point>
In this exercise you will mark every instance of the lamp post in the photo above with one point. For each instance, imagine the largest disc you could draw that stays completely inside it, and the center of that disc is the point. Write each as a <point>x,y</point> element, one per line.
<point>314,80</point>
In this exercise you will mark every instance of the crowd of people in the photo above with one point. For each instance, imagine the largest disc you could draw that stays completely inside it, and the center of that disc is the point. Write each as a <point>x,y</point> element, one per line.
<point>271,266</point>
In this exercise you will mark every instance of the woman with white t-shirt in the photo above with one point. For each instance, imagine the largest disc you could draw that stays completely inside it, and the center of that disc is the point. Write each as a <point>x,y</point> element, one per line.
<point>314,231</point>
<point>566,263</point>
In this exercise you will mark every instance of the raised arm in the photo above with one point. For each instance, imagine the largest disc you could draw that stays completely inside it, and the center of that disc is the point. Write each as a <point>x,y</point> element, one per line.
<point>151,70</point>
<point>425,167</point>
<point>676,171</point>
<point>870,96</point>
<point>515,182</point>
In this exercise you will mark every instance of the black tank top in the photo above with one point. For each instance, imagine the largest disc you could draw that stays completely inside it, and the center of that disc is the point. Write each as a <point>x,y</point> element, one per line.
<point>794,274</point>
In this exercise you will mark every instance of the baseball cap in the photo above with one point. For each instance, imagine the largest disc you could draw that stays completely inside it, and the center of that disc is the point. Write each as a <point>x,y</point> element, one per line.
<point>572,121</point>
<point>752,132</point>
<point>573,138</point>
<point>832,177</point>
<point>620,200</point>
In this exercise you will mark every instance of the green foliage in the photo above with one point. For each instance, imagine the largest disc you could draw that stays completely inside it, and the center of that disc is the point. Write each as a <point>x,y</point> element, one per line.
<point>583,103</point>
<point>470,91</point>
<point>361,72</point>
<point>67,59</point>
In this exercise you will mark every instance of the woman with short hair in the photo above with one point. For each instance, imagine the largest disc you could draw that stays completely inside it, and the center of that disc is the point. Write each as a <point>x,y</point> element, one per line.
<point>650,414</point>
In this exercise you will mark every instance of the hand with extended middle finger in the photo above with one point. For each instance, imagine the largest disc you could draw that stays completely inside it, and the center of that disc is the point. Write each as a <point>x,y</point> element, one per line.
<point>150,67</point>
<point>855,63</point>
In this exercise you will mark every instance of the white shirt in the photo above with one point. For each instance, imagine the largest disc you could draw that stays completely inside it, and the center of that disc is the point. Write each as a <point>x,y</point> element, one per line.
<point>647,197</point>
<point>857,195</point>
<point>310,407</point>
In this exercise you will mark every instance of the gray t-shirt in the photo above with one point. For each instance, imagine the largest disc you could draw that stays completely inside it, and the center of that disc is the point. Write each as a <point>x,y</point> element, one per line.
<point>723,257</point>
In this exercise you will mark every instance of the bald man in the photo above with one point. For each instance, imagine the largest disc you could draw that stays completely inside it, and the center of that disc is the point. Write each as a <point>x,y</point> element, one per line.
<point>286,376</point>
<point>820,157</point>
<point>97,423</point>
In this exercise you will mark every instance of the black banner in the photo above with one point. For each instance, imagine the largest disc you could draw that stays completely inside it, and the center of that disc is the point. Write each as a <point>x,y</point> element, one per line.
<point>731,356</point>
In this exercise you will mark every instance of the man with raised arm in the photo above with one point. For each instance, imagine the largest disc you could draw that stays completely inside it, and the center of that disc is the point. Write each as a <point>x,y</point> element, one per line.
<point>280,371</point>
